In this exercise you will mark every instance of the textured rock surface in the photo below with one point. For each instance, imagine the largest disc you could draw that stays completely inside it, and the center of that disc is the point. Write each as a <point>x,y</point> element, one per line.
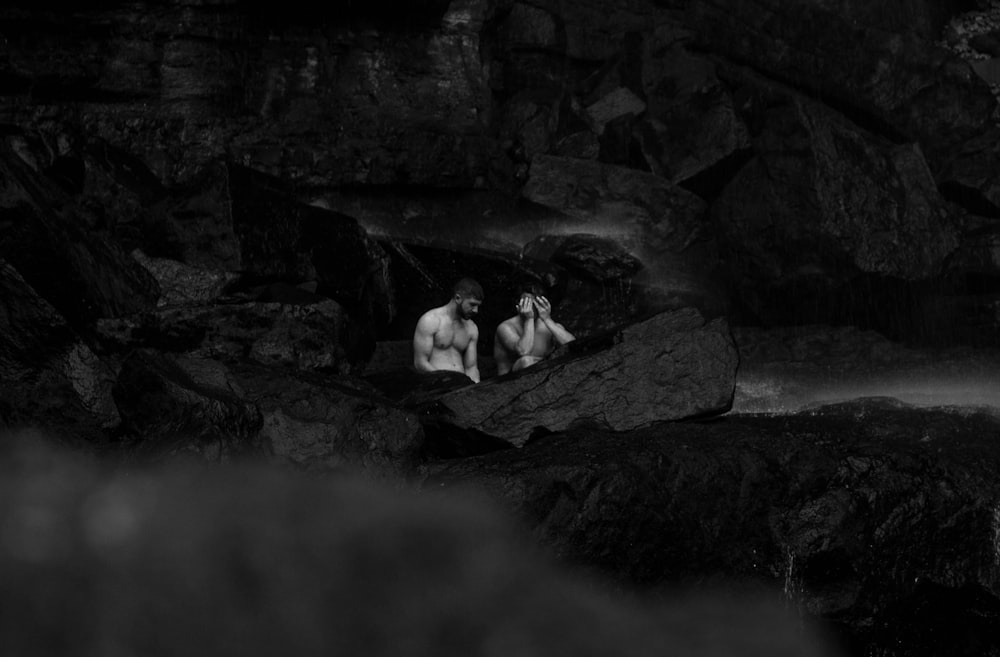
<point>671,366</point>
<point>321,424</point>
<point>642,210</point>
<point>49,376</point>
<point>306,334</point>
<point>878,517</point>
<point>180,415</point>
<point>255,561</point>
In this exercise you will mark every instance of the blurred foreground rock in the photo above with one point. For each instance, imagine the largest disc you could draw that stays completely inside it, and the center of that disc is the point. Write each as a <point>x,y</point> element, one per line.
<point>255,561</point>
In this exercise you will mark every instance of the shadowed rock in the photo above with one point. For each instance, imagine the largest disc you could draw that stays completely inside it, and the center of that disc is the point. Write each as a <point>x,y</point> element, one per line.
<point>823,202</point>
<point>641,209</point>
<point>167,412</point>
<point>589,257</point>
<point>48,376</point>
<point>691,122</point>
<point>311,333</point>
<point>284,240</point>
<point>321,423</point>
<point>673,365</point>
<point>253,561</point>
<point>182,284</point>
<point>80,271</point>
<point>876,516</point>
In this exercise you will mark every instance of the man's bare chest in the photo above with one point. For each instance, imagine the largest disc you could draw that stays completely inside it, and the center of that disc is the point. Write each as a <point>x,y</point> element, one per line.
<point>451,334</point>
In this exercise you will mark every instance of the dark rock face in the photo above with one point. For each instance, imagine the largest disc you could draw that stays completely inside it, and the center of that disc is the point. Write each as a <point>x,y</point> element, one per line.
<point>212,213</point>
<point>860,513</point>
<point>319,424</point>
<point>317,566</point>
<point>51,377</point>
<point>310,335</point>
<point>55,246</point>
<point>671,366</point>
<point>175,413</point>
<point>640,208</point>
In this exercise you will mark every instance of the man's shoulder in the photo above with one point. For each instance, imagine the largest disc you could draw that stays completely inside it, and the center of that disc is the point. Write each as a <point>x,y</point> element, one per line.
<point>430,318</point>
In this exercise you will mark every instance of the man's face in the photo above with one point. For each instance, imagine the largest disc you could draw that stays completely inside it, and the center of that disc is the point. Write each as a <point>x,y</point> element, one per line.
<point>468,307</point>
<point>530,297</point>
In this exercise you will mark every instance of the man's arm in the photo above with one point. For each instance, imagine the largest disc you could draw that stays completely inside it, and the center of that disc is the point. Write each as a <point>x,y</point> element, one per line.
<point>520,345</point>
<point>559,332</point>
<point>471,357</point>
<point>423,342</point>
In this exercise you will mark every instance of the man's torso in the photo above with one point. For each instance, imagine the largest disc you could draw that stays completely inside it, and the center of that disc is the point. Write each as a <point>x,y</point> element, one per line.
<point>542,345</point>
<point>450,342</point>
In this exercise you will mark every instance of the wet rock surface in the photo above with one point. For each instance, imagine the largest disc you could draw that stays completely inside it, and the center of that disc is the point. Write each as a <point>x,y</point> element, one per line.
<point>671,366</point>
<point>867,513</point>
<point>219,224</point>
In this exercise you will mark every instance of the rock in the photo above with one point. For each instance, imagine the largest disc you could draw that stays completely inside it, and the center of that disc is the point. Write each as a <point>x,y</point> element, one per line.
<point>987,43</point>
<point>49,377</point>
<point>671,366</point>
<point>583,145</point>
<point>860,513</point>
<point>618,103</point>
<point>192,222</point>
<point>525,26</point>
<point>182,284</point>
<point>319,566</point>
<point>839,202</point>
<point>848,54</point>
<point>285,240</point>
<point>167,413</point>
<point>314,335</point>
<point>640,209</point>
<point>988,69</point>
<point>82,272</point>
<point>589,257</point>
<point>691,123</point>
<point>320,423</point>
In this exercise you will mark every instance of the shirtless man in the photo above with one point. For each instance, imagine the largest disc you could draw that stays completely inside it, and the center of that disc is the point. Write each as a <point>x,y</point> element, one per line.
<point>446,337</point>
<point>529,336</point>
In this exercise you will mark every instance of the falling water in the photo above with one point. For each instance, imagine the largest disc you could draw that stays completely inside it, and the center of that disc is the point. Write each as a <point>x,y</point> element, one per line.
<point>996,534</point>
<point>792,586</point>
<point>775,392</point>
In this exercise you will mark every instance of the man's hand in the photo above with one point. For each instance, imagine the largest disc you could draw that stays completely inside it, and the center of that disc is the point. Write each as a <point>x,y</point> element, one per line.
<point>544,307</point>
<point>525,308</point>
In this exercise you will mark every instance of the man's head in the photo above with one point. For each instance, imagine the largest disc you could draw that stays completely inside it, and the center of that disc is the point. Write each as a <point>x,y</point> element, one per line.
<point>532,291</point>
<point>468,296</point>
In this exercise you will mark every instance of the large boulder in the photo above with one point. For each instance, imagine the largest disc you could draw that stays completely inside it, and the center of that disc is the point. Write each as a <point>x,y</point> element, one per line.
<point>59,248</point>
<point>285,326</point>
<point>177,408</point>
<point>862,56</point>
<point>320,423</point>
<point>691,123</point>
<point>823,202</point>
<point>284,240</point>
<point>671,366</point>
<point>49,377</point>
<point>642,210</point>
<point>876,517</point>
